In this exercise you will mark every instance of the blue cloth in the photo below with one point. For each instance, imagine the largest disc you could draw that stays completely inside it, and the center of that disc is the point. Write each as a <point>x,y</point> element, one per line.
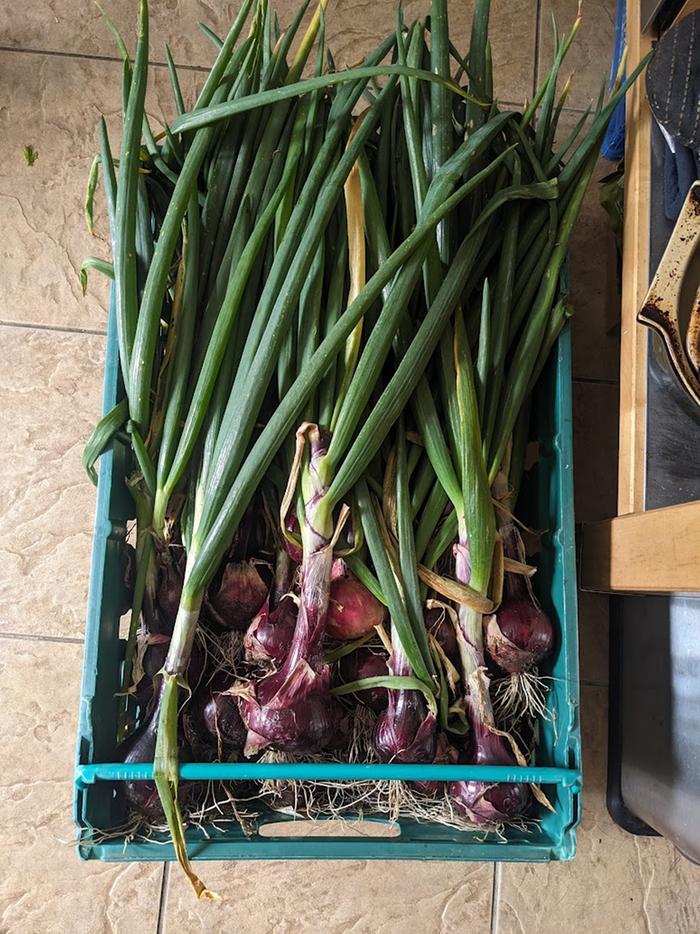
<point>613,146</point>
<point>681,169</point>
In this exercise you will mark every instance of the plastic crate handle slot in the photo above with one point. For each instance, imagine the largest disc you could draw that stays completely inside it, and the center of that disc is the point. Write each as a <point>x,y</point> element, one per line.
<point>329,827</point>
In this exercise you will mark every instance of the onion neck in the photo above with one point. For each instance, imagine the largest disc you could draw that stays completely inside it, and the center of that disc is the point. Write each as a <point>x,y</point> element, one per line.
<point>470,621</point>
<point>317,560</point>
<point>398,663</point>
<point>314,593</point>
<point>284,577</point>
<point>182,639</point>
<point>514,585</point>
<point>185,628</point>
<point>515,589</point>
<point>471,645</point>
<point>160,506</point>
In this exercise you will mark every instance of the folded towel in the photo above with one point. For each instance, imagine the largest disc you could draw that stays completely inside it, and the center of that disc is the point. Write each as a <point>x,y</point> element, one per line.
<point>681,169</point>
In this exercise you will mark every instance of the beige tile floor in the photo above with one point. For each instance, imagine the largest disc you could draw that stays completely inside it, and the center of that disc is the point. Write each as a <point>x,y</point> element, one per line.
<point>57,73</point>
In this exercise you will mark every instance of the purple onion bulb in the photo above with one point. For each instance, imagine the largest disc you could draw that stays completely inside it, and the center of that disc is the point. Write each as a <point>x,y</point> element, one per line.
<point>353,611</point>
<point>269,636</point>
<point>483,802</point>
<point>438,622</point>
<point>212,721</point>
<point>443,755</point>
<point>153,661</point>
<point>140,747</point>
<point>292,712</point>
<point>240,596</point>
<point>363,663</point>
<point>520,634</point>
<point>405,732</point>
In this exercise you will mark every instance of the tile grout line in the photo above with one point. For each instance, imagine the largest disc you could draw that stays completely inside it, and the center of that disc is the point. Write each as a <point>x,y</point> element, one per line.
<point>96,57</point>
<point>596,380</point>
<point>164,886</point>
<point>62,328</point>
<point>572,110</point>
<point>28,637</point>
<point>514,104</point>
<point>538,36</point>
<point>495,898</point>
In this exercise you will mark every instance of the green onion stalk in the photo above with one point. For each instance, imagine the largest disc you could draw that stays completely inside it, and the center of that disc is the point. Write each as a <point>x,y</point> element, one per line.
<point>406,731</point>
<point>144,284</point>
<point>291,709</point>
<point>476,385</point>
<point>474,556</point>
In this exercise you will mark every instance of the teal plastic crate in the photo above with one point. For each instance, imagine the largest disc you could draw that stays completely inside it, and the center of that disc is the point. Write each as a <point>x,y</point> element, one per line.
<point>549,496</point>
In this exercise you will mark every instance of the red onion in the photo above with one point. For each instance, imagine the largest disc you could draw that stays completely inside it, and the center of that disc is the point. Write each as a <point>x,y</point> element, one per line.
<point>212,719</point>
<point>223,721</point>
<point>141,747</point>
<point>363,663</point>
<point>443,755</point>
<point>240,596</point>
<point>138,748</point>
<point>269,636</point>
<point>291,711</point>
<point>438,622</point>
<point>353,611</point>
<point>406,730</point>
<point>154,659</point>
<point>168,590</point>
<point>520,634</point>
<point>483,802</point>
